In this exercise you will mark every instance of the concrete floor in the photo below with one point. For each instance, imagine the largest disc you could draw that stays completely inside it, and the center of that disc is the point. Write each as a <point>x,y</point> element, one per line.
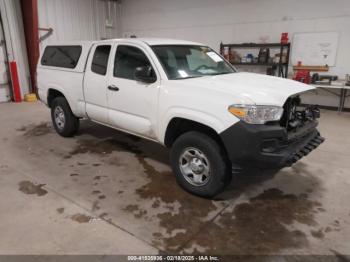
<point>104,192</point>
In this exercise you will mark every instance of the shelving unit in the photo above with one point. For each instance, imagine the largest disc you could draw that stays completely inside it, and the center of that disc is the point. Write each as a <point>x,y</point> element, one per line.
<point>282,68</point>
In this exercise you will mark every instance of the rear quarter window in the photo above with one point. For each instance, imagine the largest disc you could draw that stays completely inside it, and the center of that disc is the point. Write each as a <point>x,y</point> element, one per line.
<point>61,56</point>
<point>100,59</point>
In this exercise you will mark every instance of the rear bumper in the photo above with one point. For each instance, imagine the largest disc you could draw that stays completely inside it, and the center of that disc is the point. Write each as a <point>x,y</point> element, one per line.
<point>269,146</point>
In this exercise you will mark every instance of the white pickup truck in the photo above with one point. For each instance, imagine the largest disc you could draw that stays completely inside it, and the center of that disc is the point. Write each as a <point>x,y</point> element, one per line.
<point>184,96</point>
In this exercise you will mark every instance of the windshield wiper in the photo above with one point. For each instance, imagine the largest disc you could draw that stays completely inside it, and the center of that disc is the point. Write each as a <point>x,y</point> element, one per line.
<point>222,73</point>
<point>187,77</point>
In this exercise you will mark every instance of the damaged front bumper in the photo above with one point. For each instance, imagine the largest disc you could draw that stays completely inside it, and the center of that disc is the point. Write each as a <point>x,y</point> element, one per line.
<point>269,146</point>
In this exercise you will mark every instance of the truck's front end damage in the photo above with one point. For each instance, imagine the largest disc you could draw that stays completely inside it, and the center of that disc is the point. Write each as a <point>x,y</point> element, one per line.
<point>300,122</point>
<point>275,144</point>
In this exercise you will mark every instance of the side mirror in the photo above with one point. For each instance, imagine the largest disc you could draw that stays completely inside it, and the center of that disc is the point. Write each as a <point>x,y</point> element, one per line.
<point>145,74</point>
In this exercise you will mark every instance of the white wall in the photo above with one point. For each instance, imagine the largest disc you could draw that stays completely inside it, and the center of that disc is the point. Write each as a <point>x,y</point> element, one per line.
<point>239,21</point>
<point>78,19</point>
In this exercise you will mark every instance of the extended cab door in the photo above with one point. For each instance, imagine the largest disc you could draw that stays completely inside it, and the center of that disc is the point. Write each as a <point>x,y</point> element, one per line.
<point>132,104</point>
<point>96,82</point>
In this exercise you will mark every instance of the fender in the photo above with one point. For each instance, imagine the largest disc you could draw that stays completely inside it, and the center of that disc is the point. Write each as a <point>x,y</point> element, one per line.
<point>201,117</point>
<point>78,109</point>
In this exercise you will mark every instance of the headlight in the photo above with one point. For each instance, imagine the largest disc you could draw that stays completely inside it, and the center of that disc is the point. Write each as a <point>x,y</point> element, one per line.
<point>254,114</point>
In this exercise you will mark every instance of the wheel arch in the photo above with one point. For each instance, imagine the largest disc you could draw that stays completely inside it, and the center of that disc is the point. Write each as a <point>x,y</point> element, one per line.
<point>53,93</point>
<point>179,125</point>
<point>175,115</point>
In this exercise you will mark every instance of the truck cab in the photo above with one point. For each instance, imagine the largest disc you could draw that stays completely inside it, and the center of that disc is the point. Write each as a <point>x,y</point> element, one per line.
<point>182,95</point>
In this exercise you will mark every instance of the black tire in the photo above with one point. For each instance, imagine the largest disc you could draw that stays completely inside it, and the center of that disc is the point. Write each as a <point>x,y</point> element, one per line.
<point>71,123</point>
<point>220,167</point>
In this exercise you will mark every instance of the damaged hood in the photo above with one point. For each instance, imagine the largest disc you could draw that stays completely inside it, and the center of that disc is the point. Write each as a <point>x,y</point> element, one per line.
<point>252,88</point>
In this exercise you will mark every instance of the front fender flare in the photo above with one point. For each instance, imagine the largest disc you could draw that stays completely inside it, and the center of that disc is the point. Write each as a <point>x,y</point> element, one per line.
<point>201,117</point>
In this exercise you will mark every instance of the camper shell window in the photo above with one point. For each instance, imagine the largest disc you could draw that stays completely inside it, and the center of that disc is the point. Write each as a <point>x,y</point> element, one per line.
<point>61,56</point>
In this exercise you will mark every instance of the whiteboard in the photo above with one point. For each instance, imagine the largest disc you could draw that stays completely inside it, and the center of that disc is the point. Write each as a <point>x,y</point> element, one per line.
<point>315,49</point>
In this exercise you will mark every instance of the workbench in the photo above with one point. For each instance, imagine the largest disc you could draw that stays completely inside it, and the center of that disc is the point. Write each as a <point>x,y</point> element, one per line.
<point>330,89</point>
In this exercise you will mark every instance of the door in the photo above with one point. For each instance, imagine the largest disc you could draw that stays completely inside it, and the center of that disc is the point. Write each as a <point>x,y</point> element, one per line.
<point>132,104</point>
<point>4,73</point>
<point>95,83</point>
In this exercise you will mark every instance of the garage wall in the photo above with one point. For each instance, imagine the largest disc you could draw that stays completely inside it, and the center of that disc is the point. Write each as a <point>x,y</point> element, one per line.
<point>11,15</point>
<point>237,21</point>
<point>78,19</point>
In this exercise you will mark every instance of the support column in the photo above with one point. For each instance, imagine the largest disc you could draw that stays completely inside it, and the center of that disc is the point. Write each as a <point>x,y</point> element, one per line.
<point>31,31</point>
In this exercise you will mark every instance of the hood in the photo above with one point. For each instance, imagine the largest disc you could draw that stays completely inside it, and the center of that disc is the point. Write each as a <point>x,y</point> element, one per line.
<point>256,88</point>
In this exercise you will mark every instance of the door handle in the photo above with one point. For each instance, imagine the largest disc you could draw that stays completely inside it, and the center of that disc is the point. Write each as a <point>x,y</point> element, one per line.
<point>113,88</point>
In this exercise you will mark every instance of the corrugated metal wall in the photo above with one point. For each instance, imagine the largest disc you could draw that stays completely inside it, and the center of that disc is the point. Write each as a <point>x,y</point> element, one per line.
<point>11,15</point>
<point>79,19</point>
<point>70,19</point>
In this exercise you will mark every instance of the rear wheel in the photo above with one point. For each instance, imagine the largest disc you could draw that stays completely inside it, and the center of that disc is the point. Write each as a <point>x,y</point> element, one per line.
<point>65,122</point>
<point>199,164</point>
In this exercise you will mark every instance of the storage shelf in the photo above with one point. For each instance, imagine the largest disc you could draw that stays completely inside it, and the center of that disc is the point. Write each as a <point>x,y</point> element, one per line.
<point>282,68</point>
<point>254,45</point>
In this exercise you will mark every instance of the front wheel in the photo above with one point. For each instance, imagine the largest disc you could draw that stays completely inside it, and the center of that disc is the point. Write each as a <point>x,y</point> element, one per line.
<point>65,122</point>
<point>200,164</point>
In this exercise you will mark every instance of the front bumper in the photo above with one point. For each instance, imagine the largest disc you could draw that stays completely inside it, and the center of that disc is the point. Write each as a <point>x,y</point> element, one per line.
<point>269,146</point>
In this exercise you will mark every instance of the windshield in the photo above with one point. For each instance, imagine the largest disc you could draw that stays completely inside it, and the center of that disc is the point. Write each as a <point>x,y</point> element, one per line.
<point>182,61</point>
